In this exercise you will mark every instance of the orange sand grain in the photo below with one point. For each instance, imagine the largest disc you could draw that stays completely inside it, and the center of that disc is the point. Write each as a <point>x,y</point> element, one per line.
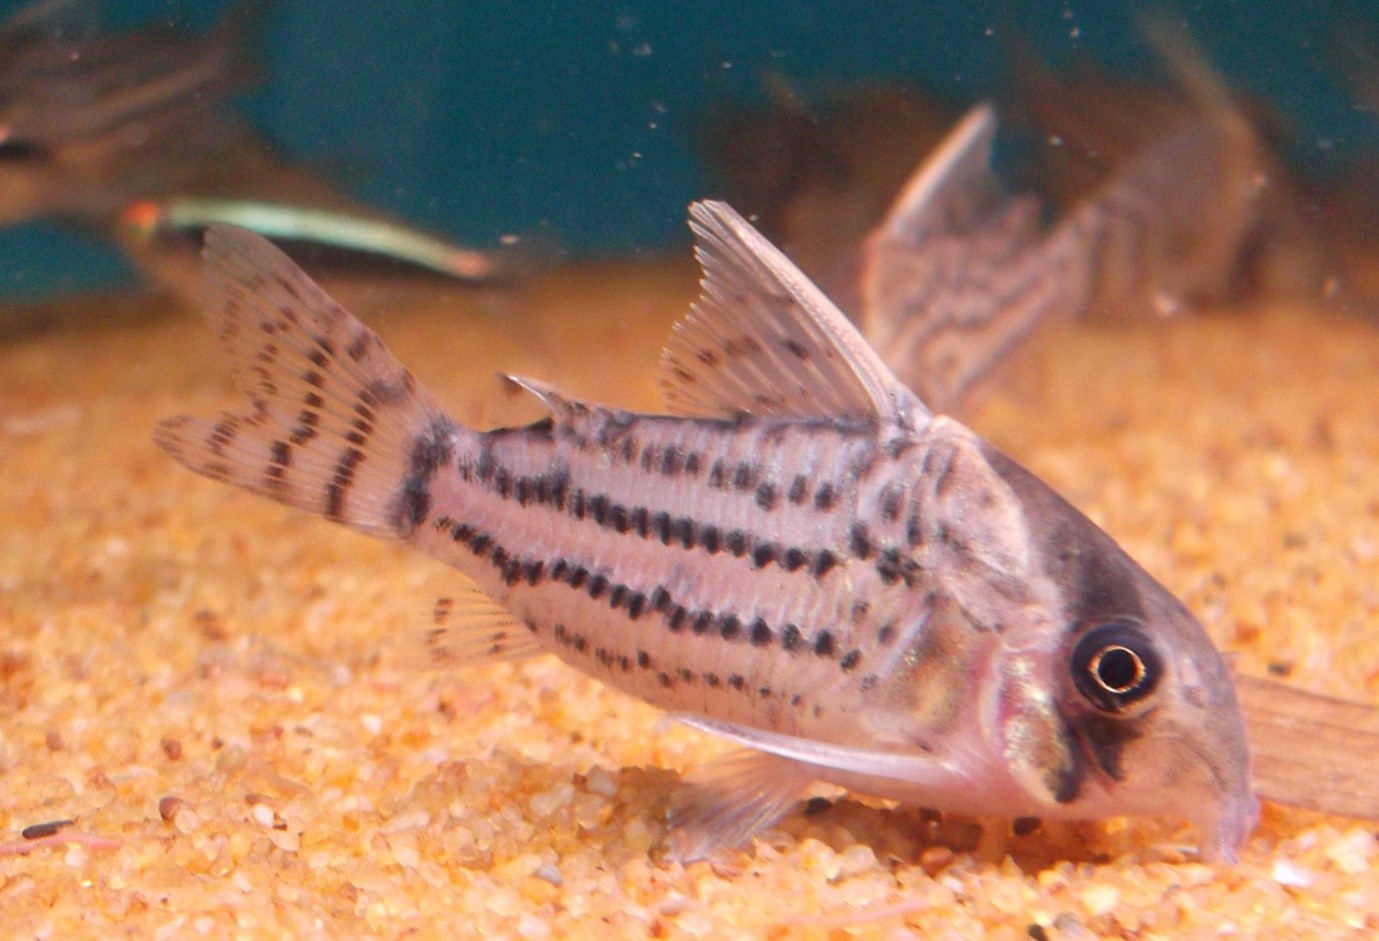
<point>218,683</point>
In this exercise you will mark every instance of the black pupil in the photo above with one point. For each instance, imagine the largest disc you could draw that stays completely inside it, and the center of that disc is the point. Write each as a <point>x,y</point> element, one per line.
<point>1119,669</point>
<point>1115,666</point>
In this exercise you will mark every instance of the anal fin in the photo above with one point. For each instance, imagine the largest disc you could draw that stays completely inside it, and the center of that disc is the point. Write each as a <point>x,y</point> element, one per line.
<point>471,629</point>
<point>731,798</point>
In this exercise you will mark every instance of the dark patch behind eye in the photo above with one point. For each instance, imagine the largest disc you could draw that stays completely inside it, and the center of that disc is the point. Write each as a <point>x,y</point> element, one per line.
<point>1106,738</point>
<point>1098,582</point>
<point>1096,578</point>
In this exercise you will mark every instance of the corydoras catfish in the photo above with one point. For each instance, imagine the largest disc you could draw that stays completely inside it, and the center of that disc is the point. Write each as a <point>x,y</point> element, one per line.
<point>960,272</point>
<point>798,556</point>
<point>89,121</point>
<point>1180,201</point>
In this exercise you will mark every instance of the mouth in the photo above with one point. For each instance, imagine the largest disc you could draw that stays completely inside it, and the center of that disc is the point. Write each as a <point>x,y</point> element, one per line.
<point>1214,794</point>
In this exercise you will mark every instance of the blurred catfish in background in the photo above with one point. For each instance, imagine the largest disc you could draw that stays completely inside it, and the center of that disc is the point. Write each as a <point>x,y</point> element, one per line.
<point>815,172</point>
<point>1162,199</point>
<point>1178,186</point>
<point>90,120</point>
<point>1173,203</point>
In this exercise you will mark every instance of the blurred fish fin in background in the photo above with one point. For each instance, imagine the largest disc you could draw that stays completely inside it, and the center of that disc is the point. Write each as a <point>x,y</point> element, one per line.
<point>89,120</point>
<point>816,168</point>
<point>959,272</point>
<point>1309,750</point>
<point>1175,192</point>
<point>71,88</point>
<point>1163,197</point>
<point>73,17</point>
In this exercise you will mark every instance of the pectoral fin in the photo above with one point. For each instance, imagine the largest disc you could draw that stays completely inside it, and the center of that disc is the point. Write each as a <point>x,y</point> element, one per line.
<point>914,769</point>
<point>730,799</point>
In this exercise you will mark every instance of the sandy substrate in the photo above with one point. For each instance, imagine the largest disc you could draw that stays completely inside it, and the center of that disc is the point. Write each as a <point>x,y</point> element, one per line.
<point>216,691</point>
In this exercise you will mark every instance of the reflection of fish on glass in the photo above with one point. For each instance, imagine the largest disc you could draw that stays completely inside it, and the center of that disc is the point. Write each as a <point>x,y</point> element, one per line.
<point>90,120</point>
<point>1178,187</point>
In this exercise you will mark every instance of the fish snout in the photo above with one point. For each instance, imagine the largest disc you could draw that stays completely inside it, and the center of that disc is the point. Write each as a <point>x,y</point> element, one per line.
<point>1224,832</point>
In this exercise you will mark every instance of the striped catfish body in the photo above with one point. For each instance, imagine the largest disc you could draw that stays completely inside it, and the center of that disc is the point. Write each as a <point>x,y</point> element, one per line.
<point>799,557</point>
<point>769,572</point>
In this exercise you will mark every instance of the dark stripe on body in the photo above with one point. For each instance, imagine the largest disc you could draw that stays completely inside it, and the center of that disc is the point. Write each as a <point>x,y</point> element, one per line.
<point>432,450</point>
<point>553,490</point>
<point>635,605</point>
<point>893,564</point>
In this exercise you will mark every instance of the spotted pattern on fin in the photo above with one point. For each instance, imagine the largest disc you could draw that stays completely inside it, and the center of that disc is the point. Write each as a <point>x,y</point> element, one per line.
<point>470,629</point>
<point>763,340</point>
<point>336,425</point>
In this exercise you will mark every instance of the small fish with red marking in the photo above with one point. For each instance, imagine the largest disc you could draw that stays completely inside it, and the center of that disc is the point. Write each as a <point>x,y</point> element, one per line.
<point>798,556</point>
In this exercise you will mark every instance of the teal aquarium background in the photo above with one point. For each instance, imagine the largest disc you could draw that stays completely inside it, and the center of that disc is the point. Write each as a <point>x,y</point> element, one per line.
<point>575,119</point>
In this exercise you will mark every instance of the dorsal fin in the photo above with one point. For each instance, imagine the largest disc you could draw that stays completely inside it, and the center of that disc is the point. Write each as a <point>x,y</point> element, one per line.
<point>951,182</point>
<point>565,410</point>
<point>763,340</point>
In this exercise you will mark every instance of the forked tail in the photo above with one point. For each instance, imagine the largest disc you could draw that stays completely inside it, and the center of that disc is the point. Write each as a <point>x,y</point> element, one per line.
<point>335,424</point>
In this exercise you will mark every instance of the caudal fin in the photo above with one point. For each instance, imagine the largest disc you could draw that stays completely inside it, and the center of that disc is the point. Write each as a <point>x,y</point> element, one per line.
<point>334,424</point>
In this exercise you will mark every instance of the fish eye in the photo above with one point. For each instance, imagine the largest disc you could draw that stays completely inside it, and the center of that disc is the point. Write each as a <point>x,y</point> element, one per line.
<point>1115,666</point>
